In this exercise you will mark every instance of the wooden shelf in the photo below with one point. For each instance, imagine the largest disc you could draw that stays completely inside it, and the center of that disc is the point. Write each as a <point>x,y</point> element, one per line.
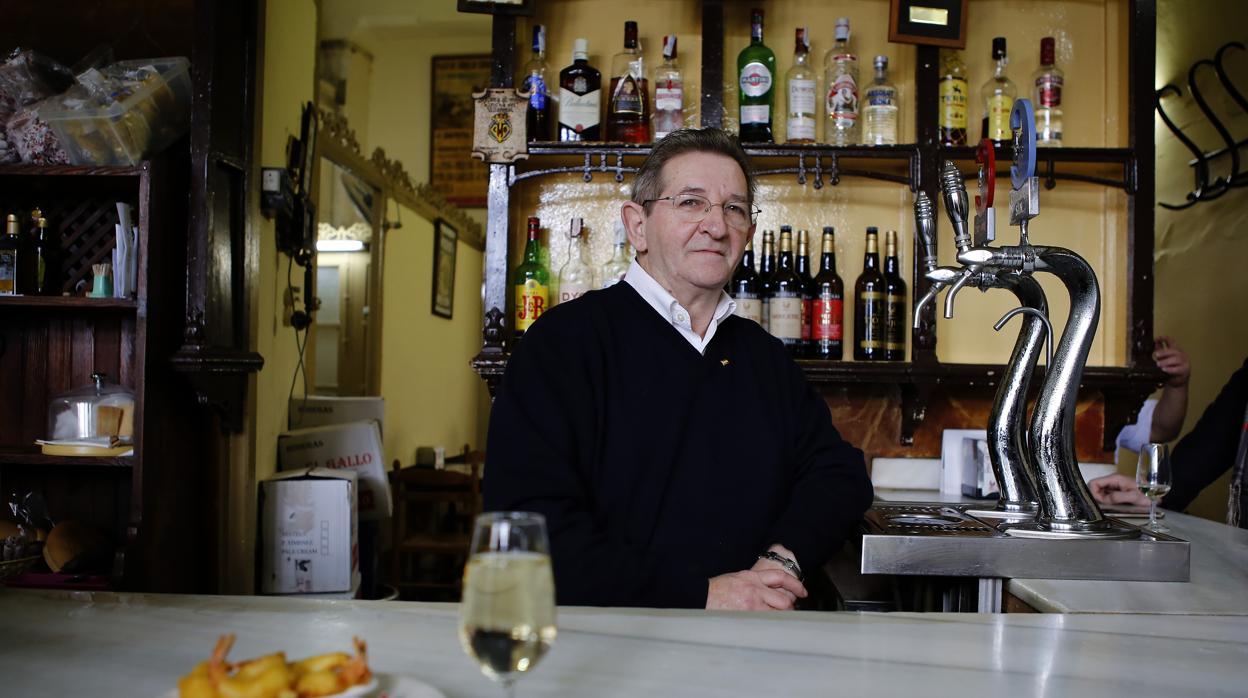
<point>68,303</point>
<point>32,457</point>
<point>72,170</point>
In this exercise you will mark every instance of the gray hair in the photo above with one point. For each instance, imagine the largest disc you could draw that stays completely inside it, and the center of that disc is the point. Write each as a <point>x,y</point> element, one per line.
<point>649,182</point>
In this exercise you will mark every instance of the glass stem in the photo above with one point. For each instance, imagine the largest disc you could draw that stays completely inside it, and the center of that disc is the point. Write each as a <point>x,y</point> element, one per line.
<point>1152,513</point>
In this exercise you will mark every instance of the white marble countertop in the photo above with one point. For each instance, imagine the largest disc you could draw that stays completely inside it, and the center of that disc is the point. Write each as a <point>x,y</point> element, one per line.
<point>1219,573</point>
<point>136,646</point>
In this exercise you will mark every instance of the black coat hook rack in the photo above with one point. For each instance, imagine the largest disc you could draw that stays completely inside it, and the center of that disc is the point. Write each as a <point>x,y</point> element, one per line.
<point>1204,189</point>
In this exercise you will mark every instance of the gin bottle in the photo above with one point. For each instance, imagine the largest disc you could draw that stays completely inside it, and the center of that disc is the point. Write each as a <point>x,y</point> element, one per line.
<point>1048,80</point>
<point>669,93</point>
<point>576,277</point>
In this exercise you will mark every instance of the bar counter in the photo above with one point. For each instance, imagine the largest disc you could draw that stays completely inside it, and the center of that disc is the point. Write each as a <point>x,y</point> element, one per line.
<point>136,646</point>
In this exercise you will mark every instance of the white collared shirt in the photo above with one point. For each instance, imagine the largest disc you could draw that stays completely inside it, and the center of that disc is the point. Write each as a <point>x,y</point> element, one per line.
<point>670,309</point>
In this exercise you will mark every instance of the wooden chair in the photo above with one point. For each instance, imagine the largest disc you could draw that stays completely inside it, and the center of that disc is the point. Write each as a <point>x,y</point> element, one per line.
<point>432,527</point>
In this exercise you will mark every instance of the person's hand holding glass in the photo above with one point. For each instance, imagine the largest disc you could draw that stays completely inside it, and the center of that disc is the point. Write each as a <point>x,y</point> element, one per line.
<point>1152,476</point>
<point>507,616</point>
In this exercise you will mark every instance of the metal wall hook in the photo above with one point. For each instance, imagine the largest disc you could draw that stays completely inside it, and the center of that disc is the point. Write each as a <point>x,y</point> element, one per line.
<point>1220,69</point>
<point>588,176</point>
<point>1221,184</point>
<point>1048,330</point>
<point>1202,167</point>
<point>801,168</point>
<point>818,171</point>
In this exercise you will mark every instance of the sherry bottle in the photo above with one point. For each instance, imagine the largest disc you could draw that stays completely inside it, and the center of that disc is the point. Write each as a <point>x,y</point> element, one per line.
<point>766,268</point>
<point>999,95</point>
<point>954,91</point>
<point>531,282</point>
<point>803,273</point>
<point>580,97</point>
<point>1049,80</point>
<point>744,287</point>
<point>840,67</point>
<point>756,70</point>
<point>628,108</point>
<point>785,306</point>
<point>576,277</point>
<point>802,93</point>
<point>894,302</point>
<point>827,328</point>
<point>869,307</point>
<point>538,113</point>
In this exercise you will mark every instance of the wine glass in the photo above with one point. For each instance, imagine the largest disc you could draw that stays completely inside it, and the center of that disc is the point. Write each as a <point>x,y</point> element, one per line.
<point>1152,475</point>
<point>507,616</point>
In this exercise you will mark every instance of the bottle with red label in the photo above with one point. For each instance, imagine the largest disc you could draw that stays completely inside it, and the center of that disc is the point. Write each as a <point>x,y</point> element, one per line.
<point>828,313</point>
<point>531,281</point>
<point>669,93</point>
<point>1048,97</point>
<point>840,103</point>
<point>628,106</point>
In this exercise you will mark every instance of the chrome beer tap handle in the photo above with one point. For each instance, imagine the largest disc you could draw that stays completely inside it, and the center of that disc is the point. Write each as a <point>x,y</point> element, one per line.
<point>957,204</point>
<point>925,227</point>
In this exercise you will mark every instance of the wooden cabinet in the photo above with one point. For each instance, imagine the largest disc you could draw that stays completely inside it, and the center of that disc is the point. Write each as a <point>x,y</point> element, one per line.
<point>914,166</point>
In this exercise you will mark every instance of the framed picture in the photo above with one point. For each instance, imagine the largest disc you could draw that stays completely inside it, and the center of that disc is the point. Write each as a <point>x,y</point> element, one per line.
<point>497,7</point>
<point>452,170</point>
<point>929,22</point>
<point>445,242</point>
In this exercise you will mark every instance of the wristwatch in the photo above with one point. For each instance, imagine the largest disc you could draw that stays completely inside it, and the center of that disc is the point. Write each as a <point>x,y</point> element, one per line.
<point>788,563</point>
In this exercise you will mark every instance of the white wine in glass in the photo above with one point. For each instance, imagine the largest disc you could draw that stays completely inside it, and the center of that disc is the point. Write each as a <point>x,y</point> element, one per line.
<point>507,615</point>
<point>1152,476</point>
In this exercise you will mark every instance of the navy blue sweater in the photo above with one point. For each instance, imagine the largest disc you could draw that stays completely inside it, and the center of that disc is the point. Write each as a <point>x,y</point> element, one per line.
<point>658,467</point>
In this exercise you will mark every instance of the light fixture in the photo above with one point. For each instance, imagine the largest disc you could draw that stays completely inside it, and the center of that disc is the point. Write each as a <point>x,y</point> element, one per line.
<point>339,245</point>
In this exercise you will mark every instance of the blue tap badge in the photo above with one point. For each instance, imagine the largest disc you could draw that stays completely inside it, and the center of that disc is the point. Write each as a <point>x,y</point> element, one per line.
<point>1023,123</point>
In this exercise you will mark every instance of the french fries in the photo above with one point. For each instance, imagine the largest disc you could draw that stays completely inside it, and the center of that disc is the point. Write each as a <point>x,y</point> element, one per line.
<point>271,676</point>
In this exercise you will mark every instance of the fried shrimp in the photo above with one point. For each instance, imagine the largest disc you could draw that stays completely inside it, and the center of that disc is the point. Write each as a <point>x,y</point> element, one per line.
<point>271,676</point>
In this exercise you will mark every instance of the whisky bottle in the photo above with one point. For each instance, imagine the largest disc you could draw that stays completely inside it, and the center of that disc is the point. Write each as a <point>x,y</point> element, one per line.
<point>628,107</point>
<point>840,67</point>
<point>538,113</point>
<point>869,304</point>
<point>954,92</point>
<point>802,97</point>
<point>785,305</point>
<point>531,282</point>
<point>880,107</point>
<point>580,97</point>
<point>47,281</point>
<point>10,256</point>
<point>669,93</point>
<point>744,287</point>
<point>999,95</point>
<point>828,322</point>
<point>613,271</point>
<point>803,273</point>
<point>1048,80</point>
<point>766,269</point>
<point>576,277</point>
<point>756,70</point>
<point>894,302</point>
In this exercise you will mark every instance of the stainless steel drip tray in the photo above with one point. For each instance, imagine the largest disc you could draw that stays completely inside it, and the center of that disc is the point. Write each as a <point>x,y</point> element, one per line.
<point>942,540</point>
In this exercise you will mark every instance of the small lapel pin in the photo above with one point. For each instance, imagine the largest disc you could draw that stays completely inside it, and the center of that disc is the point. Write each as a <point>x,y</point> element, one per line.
<point>723,362</point>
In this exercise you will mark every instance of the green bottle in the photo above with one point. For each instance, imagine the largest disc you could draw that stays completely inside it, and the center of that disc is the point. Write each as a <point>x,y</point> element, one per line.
<point>531,282</point>
<point>756,71</point>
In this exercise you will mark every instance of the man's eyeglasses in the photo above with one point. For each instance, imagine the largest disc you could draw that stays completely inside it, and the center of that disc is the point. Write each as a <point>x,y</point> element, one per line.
<point>692,208</point>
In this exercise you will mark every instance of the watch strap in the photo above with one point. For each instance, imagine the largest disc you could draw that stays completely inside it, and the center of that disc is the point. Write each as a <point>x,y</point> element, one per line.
<point>788,563</point>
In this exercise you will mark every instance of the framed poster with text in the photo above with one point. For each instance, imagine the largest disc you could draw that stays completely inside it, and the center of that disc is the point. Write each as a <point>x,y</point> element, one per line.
<point>452,170</point>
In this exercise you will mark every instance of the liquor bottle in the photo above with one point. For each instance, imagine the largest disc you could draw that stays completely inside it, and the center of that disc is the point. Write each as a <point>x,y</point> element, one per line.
<point>803,273</point>
<point>1049,80</point>
<point>954,91</point>
<point>766,269</point>
<point>669,93</point>
<point>756,69</point>
<point>894,302</point>
<point>999,95</point>
<point>840,67</point>
<point>744,287</point>
<point>613,271</point>
<point>869,304</point>
<point>827,328</point>
<point>538,114</point>
<point>880,107</point>
<point>628,107</point>
<point>47,281</point>
<point>576,277</point>
<point>580,97</point>
<point>10,256</point>
<point>784,308</point>
<point>531,281</point>
<point>800,80</point>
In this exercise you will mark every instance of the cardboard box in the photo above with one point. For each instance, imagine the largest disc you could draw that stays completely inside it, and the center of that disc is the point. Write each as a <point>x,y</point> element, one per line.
<point>308,537</point>
<point>323,410</point>
<point>355,446</point>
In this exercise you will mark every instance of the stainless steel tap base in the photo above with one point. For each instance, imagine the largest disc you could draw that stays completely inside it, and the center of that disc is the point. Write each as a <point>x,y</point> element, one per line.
<point>1109,529</point>
<point>943,540</point>
<point>1005,513</point>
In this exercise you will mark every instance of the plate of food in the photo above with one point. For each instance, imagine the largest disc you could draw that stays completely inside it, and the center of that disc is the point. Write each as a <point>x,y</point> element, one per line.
<point>331,675</point>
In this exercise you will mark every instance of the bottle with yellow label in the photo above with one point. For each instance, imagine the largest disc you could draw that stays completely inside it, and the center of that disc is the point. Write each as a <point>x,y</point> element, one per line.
<point>531,281</point>
<point>954,95</point>
<point>999,93</point>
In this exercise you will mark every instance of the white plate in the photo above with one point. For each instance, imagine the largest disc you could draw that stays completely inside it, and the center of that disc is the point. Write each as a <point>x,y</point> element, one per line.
<point>382,686</point>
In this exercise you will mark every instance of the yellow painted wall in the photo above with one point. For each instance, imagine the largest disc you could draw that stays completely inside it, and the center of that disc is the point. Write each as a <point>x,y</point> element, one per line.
<point>432,394</point>
<point>1201,284</point>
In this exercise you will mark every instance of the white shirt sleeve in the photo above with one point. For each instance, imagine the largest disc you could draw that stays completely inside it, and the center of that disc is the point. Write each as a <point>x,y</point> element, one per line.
<point>1134,436</point>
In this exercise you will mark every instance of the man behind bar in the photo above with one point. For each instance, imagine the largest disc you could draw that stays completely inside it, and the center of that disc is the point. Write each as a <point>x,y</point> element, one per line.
<point>676,451</point>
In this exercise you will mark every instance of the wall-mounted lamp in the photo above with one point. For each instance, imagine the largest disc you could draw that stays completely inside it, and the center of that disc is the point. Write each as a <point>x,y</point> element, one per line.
<point>339,245</point>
